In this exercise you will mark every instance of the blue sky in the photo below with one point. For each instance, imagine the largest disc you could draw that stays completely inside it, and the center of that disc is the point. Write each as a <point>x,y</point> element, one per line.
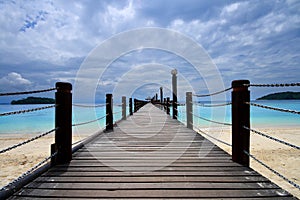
<point>42,42</point>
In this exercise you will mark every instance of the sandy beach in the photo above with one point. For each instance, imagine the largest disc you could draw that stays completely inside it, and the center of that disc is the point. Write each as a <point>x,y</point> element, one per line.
<point>17,161</point>
<point>281,158</point>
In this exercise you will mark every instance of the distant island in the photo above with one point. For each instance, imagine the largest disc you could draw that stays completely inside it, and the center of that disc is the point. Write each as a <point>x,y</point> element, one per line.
<point>281,96</point>
<point>34,100</point>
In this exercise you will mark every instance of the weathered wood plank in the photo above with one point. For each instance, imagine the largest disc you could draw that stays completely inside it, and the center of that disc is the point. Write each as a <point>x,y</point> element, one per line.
<point>141,198</point>
<point>128,163</point>
<point>155,173</point>
<point>153,185</point>
<point>158,193</point>
<point>146,168</point>
<point>149,179</point>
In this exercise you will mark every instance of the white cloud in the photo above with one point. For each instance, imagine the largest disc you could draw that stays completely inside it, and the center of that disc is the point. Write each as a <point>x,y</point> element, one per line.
<point>14,81</point>
<point>231,8</point>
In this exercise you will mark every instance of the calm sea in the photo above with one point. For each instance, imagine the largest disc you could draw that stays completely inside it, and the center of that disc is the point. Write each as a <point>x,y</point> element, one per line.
<point>42,121</point>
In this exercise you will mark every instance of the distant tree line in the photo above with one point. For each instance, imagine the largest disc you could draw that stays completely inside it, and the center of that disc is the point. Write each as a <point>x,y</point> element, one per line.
<point>281,96</point>
<point>34,100</point>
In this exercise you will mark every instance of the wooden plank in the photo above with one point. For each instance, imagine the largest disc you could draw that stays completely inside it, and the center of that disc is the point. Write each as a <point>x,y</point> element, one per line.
<point>146,168</point>
<point>160,193</point>
<point>143,198</point>
<point>194,161</point>
<point>153,185</point>
<point>149,179</point>
<point>163,173</point>
<point>128,163</point>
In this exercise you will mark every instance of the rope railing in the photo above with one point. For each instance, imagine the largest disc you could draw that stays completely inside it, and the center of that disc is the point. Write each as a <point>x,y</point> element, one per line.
<point>88,122</point>
<point>88,106</point>
<point>27,92</point>
<point>272,170</point>
<point>240,107</point>
<point>214,138</point>
<point>115,113</point>
<point>63,130</point>
<point>273,108</point>
<point>272,138</point>
<point>9,188</point>
<point>212,105</point>
<point>26,141</point>
<point>273,85</point>
<point>212,94</point>
<point>242,130</point>
<point>26,111</point>
<point>209,120</point>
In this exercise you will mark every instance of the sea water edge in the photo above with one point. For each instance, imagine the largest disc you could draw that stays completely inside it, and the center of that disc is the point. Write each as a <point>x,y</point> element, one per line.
<point>43,120</point>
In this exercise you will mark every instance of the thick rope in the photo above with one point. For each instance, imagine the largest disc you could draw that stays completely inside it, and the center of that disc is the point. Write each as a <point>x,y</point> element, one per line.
<point>26,111</point>
<point>27,92</point>
<point>211,94</point>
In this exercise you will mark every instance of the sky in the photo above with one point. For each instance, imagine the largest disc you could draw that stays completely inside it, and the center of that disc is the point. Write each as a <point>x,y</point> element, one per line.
<point>43,42</point>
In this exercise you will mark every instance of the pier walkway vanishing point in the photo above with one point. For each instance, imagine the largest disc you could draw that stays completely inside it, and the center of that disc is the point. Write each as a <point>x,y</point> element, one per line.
<point>149,155</point>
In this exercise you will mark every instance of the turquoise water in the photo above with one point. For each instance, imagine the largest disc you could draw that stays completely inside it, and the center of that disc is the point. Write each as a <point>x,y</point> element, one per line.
<point>41,121</point>
<point>44,120</point>
<point>259,117</point>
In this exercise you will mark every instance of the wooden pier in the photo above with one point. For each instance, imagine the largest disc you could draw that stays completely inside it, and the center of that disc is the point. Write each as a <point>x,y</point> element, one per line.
<point>151,156</point>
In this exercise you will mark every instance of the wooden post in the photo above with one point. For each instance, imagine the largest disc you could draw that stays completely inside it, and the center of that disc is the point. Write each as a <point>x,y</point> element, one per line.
<point>189,110</point>
<point>109,113</point>
<point>156,97</point>
<point>123,107</point>
<point>240,118</point>
<point>130,106</point>
<point>161,95</point>
<point>63,123</point>
<point>164,104</point>
<point>168,105</point>
<point>135,105</point>
<point>174,87</point>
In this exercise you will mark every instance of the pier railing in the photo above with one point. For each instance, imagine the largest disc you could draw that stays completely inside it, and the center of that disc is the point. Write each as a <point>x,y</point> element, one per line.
<point>62,149</point>
<point>240,116</point>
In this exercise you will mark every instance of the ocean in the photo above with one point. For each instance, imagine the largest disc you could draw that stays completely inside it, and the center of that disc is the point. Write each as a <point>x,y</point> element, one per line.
<point>43,120</point>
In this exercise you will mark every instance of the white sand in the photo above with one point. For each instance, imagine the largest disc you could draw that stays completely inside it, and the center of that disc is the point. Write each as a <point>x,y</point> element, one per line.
<point>17,161</point>
<point>281,158</point>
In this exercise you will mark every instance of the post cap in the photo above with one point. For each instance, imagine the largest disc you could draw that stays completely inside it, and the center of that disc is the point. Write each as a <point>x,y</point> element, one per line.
<point>240,83</point>
<point>63,86</point>
<point>174,72</point>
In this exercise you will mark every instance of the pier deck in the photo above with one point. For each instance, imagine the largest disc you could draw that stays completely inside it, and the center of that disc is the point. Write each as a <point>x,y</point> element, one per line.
<point>150,155</point>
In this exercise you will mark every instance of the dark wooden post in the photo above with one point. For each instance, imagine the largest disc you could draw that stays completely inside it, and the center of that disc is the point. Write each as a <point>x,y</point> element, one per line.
<point>130,106</point>
<point>135,105</point>
<point>63,124</point>
<point>164,104</point>
<point>240,118</point>
<point>168,105</point>
<point>174,87</point>
<point>161,95</point>
<point>109,113</point>
<point>156,97</point>
<point>189,110</point>
<point>123,107</point>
